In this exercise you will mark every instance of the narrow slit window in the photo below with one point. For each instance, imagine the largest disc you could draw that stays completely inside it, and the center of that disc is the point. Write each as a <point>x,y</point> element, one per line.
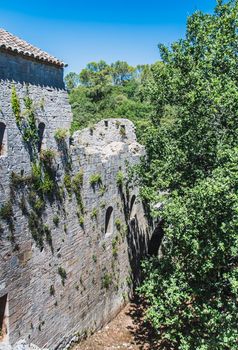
<point>41,136</point>
<point>3,140</point>
<point>109,221</point>
<point>123,131</point>
<point>3,319</point>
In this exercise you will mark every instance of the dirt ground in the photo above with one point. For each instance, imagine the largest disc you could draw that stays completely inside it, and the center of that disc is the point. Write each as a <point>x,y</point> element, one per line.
<point>127,331</point>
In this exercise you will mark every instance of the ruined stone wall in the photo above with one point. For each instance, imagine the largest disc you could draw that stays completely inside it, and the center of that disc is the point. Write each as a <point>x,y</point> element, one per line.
<point>79,278</point>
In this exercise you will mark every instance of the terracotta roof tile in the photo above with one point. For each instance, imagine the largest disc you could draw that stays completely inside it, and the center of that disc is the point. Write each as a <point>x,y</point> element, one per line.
<point>12,43</point>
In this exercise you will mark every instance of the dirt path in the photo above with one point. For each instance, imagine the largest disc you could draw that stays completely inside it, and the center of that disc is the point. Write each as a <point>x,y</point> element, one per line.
<point>127,331</point>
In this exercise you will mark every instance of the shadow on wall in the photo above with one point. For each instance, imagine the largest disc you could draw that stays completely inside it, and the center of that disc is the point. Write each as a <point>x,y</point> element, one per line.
<point>156,239</point>
<point>141,242</point>
<point>137,238</point>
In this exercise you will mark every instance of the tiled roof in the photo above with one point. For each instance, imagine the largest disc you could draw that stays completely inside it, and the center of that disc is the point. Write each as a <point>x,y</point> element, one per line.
<point>12,43</point>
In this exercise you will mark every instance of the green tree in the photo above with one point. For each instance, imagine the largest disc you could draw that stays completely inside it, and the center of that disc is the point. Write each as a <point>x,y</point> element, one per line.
<point>121,72</point>
<point>192,290</point>
<point>195,98</point>
<point>71,80</point>
<point>191,165</point>
<point>97,97</point>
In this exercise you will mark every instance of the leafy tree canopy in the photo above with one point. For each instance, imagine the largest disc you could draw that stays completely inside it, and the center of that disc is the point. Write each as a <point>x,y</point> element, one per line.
<point>103,91</point>
<point>192,166</point>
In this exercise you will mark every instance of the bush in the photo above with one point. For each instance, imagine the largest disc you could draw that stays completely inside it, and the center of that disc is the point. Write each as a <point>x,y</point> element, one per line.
<point>118,224</point>
<point>63,274</point>
<point>47,156</point>
<point>77,181</point>
<point>61,135</point>
<point>192,290</point>
<point>120,179</point>
<point>95,180</point>
<point>106,280</point>
<point>16,108</point>
<point>6,211</point>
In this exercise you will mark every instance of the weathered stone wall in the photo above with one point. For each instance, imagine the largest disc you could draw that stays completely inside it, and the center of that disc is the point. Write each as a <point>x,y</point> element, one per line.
<point>43,308</point>
<point>28,70</point>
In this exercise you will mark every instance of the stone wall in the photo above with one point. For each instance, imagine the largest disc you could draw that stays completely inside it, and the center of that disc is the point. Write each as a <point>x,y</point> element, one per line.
<point>28,70</point>
<point>80,277</point>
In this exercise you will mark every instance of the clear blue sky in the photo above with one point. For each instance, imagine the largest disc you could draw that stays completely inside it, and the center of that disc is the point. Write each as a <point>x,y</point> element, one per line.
<point>80,31</point>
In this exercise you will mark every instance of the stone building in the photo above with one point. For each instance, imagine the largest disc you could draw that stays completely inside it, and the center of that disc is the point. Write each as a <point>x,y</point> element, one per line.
<point>72,228</point>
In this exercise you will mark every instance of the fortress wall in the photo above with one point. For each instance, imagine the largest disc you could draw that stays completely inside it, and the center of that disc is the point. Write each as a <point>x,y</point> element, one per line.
<point>99,266</point>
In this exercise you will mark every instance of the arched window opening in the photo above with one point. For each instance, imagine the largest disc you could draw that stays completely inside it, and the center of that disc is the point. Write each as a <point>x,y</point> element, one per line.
<point>3,319</point>
<point>109,221</point>
<point>3,140</point>
<point>133,208</point>
<point>41,136</point>
<point>106,123</point>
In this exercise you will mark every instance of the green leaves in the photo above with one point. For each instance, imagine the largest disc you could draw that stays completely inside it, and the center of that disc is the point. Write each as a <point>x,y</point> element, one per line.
<point>192,156</point>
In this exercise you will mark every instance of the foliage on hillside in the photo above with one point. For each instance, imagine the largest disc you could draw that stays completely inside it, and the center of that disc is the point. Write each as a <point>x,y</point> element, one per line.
<point>192,291</point>
<point>103,91</point>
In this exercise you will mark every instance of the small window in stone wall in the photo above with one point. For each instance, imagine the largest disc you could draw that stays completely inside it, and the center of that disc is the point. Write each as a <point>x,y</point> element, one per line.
<point>109,221</point>
<point>3,140</point>
<point>41,135</point>
<point>123,131</point>
<point>3,319</point>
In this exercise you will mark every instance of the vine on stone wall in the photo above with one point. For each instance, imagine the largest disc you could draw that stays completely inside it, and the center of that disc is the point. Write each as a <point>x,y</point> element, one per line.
<point>32,192</point>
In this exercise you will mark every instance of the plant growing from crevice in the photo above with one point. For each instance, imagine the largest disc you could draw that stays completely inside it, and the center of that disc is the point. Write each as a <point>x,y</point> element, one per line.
<point>63,275</point>
<point>42,104</point>
<point>61,135</point>
<point>18,181</point>
<point>120,179</point>
<point>94,213</point>
<point>16,108</point>
<point>23,205</point>
<point>36,229</point>
<point>47,185</point>
<point>68,184</point>
<point>47,157</point>
<point>106,280</point>
<point>29,128</point>
<point>95,180</point>
<point>102,190</point>
<point>6,214</point>
<point>114,247</point>
<point>6,211</point>
<point>77,181</point>
<point>56,220</point>
<point>52,290</point>
<point>81,220</point>
<point>118,224</point>
<point>38,206</point>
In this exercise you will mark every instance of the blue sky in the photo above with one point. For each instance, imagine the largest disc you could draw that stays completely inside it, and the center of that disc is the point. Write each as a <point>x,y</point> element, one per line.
<point>80,31</point>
